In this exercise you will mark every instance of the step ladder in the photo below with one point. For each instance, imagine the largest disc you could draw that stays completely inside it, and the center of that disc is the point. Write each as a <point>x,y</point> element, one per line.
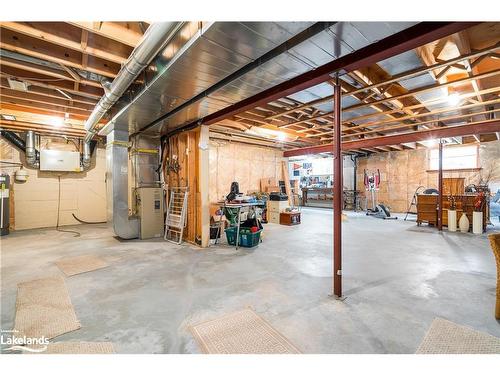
<point>413,203</point>
<point>176,218</point>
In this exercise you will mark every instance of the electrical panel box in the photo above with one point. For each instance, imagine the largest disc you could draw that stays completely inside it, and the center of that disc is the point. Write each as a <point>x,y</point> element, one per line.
<point>61,161</point>
<point>150,209</point>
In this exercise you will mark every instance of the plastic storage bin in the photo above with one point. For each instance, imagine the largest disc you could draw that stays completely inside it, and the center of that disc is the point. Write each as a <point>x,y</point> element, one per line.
<point>249,238</point>
<point>231,235</point>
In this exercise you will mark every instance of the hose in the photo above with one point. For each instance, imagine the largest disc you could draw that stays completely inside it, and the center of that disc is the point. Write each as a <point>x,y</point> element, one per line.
<point>76,234</point>
<point>88,222</point>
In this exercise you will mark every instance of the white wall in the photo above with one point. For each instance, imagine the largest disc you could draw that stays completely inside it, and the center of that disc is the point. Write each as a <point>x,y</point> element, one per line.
<point>36,200</point>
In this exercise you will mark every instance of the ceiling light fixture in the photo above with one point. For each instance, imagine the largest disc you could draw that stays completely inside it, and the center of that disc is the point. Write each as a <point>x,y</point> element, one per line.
<point>8,117</point>
<point>268,133</point>
<point>430,143</point>
<point>454,99</point>
<point>56,121</point>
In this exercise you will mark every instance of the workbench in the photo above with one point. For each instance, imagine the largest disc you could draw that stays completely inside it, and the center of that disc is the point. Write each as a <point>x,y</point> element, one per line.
<point>317,194</point>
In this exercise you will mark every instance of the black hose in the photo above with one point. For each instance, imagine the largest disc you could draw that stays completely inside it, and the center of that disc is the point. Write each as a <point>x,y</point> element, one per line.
<point>88,222</point>
<point>16,141</point>
<point>76,234</point>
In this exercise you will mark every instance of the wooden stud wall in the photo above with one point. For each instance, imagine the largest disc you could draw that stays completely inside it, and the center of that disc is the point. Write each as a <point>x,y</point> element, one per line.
<point>184,146</point>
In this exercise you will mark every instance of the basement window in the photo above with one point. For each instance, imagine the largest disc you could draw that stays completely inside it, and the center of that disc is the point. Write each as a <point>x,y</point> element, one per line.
<point>454,158</point>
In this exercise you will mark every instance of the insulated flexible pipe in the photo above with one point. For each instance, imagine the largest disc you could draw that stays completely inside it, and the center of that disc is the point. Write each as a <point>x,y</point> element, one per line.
<point>155,38</point>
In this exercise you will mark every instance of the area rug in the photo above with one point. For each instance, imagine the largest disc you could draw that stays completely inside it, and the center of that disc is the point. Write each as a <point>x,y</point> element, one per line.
<point>242,332</point>
<point>445,337</point>
<point>44,309</point>
<point>71,347</point>
<point>80,264</point>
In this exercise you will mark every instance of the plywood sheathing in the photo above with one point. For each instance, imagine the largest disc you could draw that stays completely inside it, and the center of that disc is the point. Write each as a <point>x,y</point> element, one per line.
<point>401,172</point>
<point>246,164</point>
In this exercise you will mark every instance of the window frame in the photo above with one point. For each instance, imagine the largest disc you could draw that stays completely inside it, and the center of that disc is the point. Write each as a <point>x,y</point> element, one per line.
<point>476,157</point>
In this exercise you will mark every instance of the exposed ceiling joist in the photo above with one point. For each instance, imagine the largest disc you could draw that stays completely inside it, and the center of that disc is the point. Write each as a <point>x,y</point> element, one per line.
<point>53,38</point>
<point>484,127</point>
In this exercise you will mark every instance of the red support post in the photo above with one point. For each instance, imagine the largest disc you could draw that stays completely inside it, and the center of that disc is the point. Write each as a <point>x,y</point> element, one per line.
<point>440,187</point>
<point>337,192</point>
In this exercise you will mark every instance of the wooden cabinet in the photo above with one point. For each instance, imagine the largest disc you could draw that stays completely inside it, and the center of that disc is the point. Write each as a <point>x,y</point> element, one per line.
<point>290,218</point>
<point>453,186</point>
<point>427,209</point>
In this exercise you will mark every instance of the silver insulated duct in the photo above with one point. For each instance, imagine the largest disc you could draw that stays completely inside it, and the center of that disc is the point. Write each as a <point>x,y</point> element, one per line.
<point>86,156</point>
<point>31,150</point>
<point>125,226</point>
<point>155,38</point>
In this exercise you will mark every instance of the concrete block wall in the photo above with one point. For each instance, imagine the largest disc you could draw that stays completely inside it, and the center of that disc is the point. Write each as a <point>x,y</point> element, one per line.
<point>36,200</point>
<point>401,172</point>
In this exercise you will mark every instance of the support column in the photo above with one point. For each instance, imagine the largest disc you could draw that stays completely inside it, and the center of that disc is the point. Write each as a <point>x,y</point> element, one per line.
<point>337,192</point>
<point>440,187</point>
<point>203,182</point>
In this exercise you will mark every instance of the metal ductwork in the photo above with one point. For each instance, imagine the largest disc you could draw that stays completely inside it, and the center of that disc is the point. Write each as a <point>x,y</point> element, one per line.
<point>86,156</point>
<point>124,226</point>
<point>31,153</point>
<point>155,38</point>
<point>28,147</point>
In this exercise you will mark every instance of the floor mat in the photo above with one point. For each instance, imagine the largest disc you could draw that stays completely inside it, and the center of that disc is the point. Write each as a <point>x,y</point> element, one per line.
<point>71,347</point>
<point>242,332</point>
<point>445,337</point>
<point>80,264</point>
<point>43,308</point>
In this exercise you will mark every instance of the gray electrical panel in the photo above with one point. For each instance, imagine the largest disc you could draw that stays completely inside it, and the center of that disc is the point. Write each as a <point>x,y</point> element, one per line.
<point>4,204</point>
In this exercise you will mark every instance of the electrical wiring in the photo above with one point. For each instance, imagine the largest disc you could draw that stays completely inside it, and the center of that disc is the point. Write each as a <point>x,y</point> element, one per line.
<point>76,234</point>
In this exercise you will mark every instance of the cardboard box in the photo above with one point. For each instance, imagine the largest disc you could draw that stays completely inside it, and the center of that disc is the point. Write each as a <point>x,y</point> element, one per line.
<point>265,182</point>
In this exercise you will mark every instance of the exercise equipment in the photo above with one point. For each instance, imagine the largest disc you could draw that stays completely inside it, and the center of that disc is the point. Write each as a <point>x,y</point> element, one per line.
<point>378,210</point>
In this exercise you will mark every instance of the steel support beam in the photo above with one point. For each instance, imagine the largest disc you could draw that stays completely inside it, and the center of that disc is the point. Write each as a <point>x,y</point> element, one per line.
<point>337,192</point>
<point>408,39</point>
<point>440,187</point>
<point>485,127</point>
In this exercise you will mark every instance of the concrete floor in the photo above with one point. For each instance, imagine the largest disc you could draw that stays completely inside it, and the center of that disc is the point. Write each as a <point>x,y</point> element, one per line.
<point>397,279</point>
